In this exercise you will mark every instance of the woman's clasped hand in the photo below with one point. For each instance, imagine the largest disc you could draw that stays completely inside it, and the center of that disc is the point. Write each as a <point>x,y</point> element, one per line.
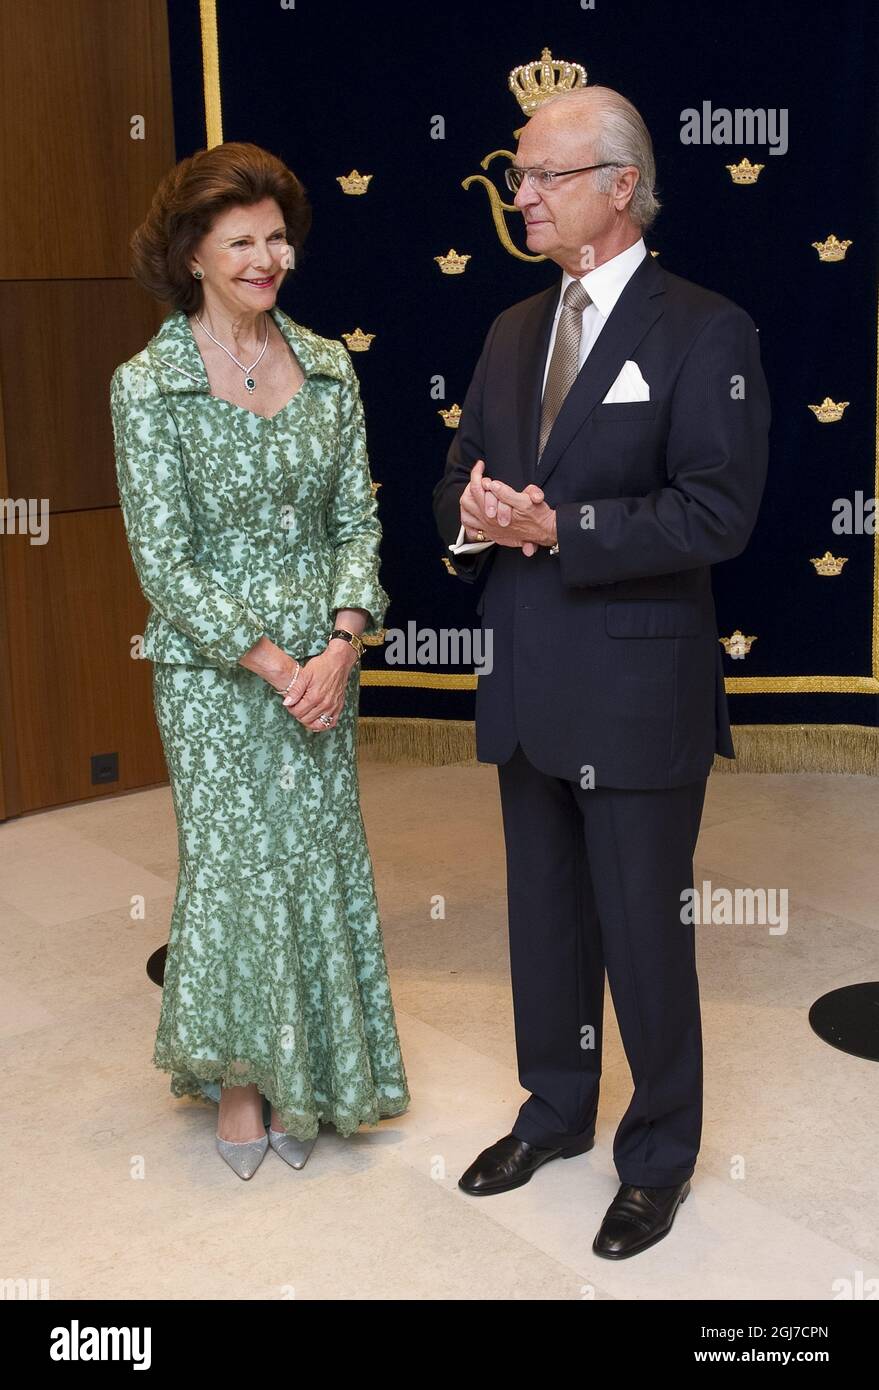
<point>320,687</point>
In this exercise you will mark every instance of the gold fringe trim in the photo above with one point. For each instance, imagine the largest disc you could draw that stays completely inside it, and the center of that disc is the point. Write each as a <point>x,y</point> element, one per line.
<point>846,748</point>
<point>433,742</point>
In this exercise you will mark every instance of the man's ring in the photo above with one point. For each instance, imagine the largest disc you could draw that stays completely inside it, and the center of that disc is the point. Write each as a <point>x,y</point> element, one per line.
<point>480,535</point>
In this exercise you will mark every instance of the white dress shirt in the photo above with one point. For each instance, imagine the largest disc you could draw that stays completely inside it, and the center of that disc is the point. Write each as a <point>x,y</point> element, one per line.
<point>605,284</point>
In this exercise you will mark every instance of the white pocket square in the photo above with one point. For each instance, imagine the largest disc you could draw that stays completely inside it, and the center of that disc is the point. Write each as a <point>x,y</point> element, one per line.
<point>629,386</point>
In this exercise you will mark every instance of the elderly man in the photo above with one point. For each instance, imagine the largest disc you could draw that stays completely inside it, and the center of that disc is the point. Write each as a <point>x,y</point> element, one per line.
<point>612,447</point>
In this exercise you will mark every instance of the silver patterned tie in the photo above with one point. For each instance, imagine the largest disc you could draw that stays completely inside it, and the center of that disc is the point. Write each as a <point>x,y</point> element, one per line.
<point>564,364</point>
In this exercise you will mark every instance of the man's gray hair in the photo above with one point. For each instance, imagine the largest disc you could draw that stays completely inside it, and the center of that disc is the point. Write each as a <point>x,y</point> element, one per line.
<point>620,137</point>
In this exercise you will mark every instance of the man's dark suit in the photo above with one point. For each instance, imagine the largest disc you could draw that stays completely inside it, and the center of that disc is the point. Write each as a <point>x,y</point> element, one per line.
<point>606,658</point>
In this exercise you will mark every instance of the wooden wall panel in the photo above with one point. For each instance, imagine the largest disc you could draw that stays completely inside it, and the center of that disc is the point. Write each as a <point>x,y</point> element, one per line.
<point>59,343</point>
<point>75,77</point>
<point>72,607</point>
<point>73,74</point>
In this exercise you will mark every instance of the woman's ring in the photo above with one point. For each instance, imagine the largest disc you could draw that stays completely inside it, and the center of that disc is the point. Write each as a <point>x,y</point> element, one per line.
<point>325,720</point>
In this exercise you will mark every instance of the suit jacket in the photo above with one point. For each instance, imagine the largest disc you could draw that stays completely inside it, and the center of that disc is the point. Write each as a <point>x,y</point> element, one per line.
<point>240,526</point>
<point>606,655</point>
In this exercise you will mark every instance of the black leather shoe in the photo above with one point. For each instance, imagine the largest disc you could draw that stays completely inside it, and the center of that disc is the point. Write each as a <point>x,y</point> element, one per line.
<point>510,1163</point>
<point>637,1218</point>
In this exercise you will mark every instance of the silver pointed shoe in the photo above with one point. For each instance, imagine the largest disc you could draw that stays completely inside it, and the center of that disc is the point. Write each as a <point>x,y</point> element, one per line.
<point>293,1151</point>
<point>244,1158</point>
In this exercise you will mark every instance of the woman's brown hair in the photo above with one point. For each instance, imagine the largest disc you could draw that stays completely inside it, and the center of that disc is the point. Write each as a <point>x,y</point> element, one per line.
<point>191,196</point>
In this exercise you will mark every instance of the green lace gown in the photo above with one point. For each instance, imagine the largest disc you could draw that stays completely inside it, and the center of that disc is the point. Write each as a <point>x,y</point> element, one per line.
<point>240,525</point>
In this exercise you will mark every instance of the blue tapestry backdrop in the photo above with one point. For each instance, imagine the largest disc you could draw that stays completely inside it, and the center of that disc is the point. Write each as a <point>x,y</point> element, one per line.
<point>333,86</point>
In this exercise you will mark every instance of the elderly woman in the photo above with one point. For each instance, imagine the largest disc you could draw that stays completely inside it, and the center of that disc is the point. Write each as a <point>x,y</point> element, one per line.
<point>250,515</point>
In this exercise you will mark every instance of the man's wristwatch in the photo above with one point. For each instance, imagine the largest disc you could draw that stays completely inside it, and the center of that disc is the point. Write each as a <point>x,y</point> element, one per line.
<point>351,637</point>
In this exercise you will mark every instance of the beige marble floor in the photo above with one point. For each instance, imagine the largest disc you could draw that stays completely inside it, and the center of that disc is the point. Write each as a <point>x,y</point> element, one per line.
<point>114,1189</point>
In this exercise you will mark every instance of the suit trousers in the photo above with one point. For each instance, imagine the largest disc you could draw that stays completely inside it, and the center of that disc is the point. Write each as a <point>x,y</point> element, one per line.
<point>594,884</point>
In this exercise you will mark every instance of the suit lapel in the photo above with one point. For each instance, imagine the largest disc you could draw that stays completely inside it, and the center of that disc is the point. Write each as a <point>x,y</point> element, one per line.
<point>636,310</point>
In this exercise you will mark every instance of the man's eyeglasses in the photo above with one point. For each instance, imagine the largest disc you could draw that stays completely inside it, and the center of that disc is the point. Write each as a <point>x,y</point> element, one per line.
<point>542,179</point>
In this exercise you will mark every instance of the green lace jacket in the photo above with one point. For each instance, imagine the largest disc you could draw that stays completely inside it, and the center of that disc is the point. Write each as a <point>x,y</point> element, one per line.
<point>238,525</point>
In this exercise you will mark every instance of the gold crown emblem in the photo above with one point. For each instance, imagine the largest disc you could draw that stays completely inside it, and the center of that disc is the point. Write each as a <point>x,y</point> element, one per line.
<point>374,487</point>
<point>354,182</point>
<point>452,263</point>
<point>828,411</point>
<point>738,645</point>
<point>534,83</point>
<point>829,564</point>
<point>831,249</point>
<point>746,172</point>
<point>452,416</point>
<point>358,341</point>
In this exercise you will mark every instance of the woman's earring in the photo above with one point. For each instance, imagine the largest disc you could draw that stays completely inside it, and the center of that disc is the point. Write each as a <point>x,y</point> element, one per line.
<point>198,274</point>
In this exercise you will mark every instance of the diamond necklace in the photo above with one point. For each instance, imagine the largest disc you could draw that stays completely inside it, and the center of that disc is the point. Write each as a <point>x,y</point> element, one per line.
<point>248,379</point>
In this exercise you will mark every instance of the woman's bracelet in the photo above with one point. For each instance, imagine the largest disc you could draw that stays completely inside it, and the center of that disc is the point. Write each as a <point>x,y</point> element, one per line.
<point>290,685</point>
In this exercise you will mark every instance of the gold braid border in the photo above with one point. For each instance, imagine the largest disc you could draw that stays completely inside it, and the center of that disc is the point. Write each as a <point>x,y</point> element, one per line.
<point>210,67</point>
